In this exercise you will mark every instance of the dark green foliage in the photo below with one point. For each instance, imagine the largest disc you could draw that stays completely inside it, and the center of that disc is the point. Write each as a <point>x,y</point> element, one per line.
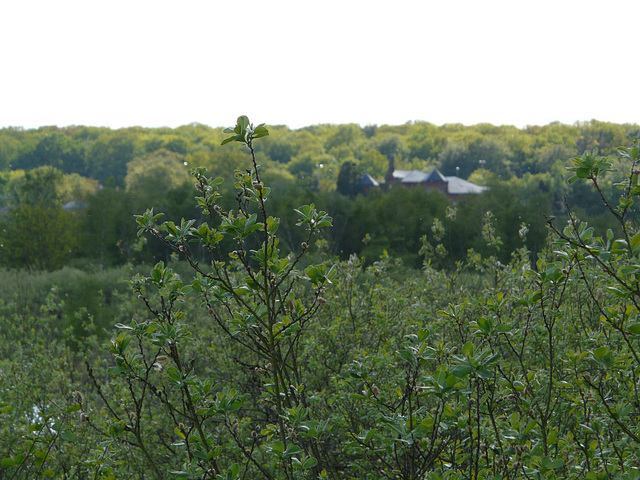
<point>73,291</point>
<point>320,158</point>
<point>55,150</point>
<point>391,145</point>
<point>280,151</point>
<point>109,155</point>
<point>104,237</point>
<point>348,179</point>
<point>38,187</point>
<point>51,234</point>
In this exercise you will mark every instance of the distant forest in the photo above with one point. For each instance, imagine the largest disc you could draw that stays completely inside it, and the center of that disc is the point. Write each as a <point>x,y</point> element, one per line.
<point>74,191</point>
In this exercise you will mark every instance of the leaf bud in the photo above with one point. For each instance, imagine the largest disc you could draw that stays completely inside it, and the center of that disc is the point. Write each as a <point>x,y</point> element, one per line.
<point>322,300</point>
<point>304,245</point>
<point>84,417</point>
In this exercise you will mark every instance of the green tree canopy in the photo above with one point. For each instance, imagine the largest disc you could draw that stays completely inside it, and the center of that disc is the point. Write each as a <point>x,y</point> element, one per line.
<point>151,177</point>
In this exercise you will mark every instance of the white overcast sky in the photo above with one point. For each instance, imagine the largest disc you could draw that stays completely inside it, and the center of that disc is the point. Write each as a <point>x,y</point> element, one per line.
<point>158,63</point>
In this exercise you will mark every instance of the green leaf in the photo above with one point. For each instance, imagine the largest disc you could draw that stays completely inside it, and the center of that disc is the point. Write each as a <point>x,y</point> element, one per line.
<point>272,225</point>
<point>599,353</point>
<point>309,462</point>
<point>408,355</point>
<point>634,329</point>
<point>243,122</point>
<point>292,450</point>
<point>68,436</point>
<point>503,328</point>
<point>484,373</point>
<point>8,462</point>
<point>484,325</point>
<point>630,269</point>
<point>260,131</point>
<point>582,172</point>
<point>73,408</point>
<point>122,326</point>
<point>557,463</point>
<point>423,335</point>
<point>370,435</point>
<point>277,447</point>
<point>461,371</point>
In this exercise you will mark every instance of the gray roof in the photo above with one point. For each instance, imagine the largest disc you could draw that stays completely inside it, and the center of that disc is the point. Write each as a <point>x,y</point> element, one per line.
<point>436,176</point>
<point>400,174</point>
<point>367,180</point>
<point>418,176</point>
<point>458,186</point>
<point>455,185</point>
<point>75,205</point>
<point>414,176</point>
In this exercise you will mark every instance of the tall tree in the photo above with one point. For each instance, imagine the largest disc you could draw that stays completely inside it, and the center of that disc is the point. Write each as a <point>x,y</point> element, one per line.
<point>152,177</point>
<point>109,156</point>
<point>37,236</point>
<point>37,232</point>
<point>348,179</point>
<point>56,150</point>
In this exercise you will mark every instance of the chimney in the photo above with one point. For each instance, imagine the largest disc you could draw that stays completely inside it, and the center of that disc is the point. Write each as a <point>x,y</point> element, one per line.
<point>388,178</point>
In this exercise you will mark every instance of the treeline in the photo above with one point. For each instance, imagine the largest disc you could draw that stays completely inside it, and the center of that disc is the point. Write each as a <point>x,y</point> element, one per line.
<point>75,190</point>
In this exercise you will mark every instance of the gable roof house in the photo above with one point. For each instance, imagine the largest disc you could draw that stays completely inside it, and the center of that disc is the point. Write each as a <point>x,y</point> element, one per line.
<point>452,186</point>
<point>367,182</point>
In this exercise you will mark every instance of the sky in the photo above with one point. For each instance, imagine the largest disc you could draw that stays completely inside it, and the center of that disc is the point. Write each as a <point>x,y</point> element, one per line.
<point>298,63</point>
